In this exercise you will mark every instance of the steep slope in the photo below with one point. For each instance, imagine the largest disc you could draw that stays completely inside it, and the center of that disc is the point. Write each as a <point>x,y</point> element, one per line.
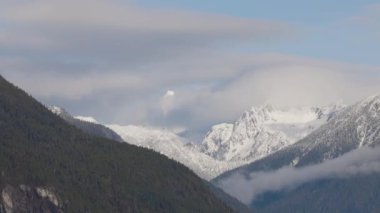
<point>258,133</point>
<point>262,131</point>
<point>70,171</point>
<point>354,127</point>
<point>86,124</point>
<point>175,147</point>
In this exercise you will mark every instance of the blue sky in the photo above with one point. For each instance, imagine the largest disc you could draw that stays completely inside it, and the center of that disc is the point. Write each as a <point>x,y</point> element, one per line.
<point>324,25</point>
<point>189,64</point>
<point>293,11</point>
<point>325,28</point>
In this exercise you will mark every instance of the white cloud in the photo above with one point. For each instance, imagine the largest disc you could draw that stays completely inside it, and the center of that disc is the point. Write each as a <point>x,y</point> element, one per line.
<point>361,161</point>
<point>281,81</point>
<point>169,93</point>
<point>85,49</point>
<point>73,86</point>
<point>111,56</point>
<point>114,14</point>
<point>122,33</point>
<point>208,89</point>
<point>167,102</point>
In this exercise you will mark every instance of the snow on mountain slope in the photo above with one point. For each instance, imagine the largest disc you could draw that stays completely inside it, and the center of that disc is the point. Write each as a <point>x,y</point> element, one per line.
<point>86,124</point>
<point>87,119</point>
<point>61,113</point>
<point>259,132</point>
<point>56,110</point>
<point>355,126</point>
<point>262,131</point>
<point>64,114</point>
<point>174,147</point>
<point>159,140</point>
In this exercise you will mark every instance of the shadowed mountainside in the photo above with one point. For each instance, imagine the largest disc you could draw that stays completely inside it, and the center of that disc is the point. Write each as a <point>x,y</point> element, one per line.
<point>87,174</point>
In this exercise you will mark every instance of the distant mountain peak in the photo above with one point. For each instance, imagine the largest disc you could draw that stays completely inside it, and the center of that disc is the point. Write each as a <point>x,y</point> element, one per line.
<point>87,124</point>
<point>263,130</point>
<point>347,129</point>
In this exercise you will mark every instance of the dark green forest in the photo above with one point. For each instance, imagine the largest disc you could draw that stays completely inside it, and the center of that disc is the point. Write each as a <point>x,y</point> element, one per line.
<point>90,174</point>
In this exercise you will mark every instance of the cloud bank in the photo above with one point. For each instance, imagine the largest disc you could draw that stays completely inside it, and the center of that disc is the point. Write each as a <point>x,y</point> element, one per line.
<point>118,32</point>
<point>361,161</point>
<point>114,61</point>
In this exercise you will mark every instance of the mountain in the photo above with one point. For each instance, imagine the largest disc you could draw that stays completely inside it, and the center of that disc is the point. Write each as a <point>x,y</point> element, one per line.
<point>350,129</point>
<point>47,165</point>
<point>160,140</point>
<point>87,124</point>
<point>353,127</point>
<point>262,131</point>
<point>175,147</point>
<point>349,183</point>
<point>256,134</point>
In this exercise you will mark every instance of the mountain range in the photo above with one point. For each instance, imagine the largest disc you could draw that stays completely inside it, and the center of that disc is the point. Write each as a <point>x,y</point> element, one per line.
<point>256,134</point>
<point>352,128</point>
<point>268,140</point>
<point>162,141</point>
<point>48,165</point>
<point>264,130</point>
<point>348,131</point>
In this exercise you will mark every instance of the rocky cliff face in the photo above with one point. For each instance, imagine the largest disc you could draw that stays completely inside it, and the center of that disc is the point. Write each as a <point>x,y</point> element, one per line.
<point>30,199</point>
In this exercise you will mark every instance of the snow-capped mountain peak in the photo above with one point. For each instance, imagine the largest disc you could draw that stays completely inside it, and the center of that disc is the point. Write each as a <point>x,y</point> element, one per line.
<point>350,128</point>
<point>258,132</point>
<point>264,130</point>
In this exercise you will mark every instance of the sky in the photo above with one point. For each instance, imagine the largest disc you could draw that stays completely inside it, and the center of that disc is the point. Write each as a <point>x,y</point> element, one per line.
<point>186,65</point>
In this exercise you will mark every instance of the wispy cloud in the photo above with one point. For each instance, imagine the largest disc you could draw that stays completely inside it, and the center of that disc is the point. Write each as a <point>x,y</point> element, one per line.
<point>123,33</point>
<point>362,161</point>
<point>82,49</point>
<point>209,89</point>
<point>279,80</point>
<point>110,56</point>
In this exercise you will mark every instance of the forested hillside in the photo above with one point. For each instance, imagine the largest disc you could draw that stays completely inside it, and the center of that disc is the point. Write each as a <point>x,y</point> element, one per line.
<point>51,166</point>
